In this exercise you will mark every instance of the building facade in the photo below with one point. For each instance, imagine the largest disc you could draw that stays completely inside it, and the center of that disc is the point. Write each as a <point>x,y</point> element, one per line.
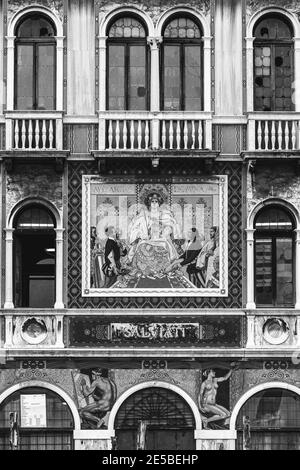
<point>150,211</point>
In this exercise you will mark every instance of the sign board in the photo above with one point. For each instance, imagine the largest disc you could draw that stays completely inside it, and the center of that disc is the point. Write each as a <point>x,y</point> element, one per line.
<point>220,331</point>
<point>33,411</point>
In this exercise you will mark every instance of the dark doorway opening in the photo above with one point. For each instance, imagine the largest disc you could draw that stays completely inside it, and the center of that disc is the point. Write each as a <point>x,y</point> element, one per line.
<point>167,419</point>
<point>34,259</point>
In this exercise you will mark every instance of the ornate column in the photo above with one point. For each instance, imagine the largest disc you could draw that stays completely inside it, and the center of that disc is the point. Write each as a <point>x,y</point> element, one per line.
<point>9,304</point>
<point>155,74</point>
<point>10,72</point>
<point>59,331</point>
<point>59,72</point>
<point>215,440</point>
<point>155,89</point>
<point>297,270</point>
<point>296,94</point>
<point>250,270</point>
<point>251,332</point>
<point>8,331</point>
<point>59,303</point>
<point>250,69</point>
<point>207,73</point>
<point>102,91</point>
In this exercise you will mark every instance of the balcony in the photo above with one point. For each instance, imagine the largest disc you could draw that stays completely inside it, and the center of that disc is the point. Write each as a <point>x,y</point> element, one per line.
<point>274,132</point>
<point>261,333</point>
<point>136,131</point>
<point>30,131</point>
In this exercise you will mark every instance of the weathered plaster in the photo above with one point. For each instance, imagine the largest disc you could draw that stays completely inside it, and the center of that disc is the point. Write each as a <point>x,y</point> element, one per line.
<point>59,377</point>
<point>154,8</point>
<point>244,380</point>
<point>57,6</point>
<point>188,380</point>
<point>33,181</point>
<point>253,6</point>
<point>267,181</point>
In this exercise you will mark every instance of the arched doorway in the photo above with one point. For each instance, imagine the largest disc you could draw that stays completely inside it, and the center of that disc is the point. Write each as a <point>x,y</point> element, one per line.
<point>274,257</point>
<point>167,421</point>
<point>43,418</point>
<point>34,257</point>
<point>273,420</point>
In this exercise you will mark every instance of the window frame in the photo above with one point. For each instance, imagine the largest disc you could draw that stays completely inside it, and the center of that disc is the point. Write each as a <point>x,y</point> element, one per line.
<point>181,42</point>
<point>50,431</point>
<point>126,43</point>
<point>19,239</point>
<point>273,43</point>
<point>35,43</point>
<point>275,235</point>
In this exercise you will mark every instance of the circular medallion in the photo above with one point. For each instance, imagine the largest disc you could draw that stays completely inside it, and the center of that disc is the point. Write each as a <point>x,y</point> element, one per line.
<point>276,331</point>
<point>34,331</point>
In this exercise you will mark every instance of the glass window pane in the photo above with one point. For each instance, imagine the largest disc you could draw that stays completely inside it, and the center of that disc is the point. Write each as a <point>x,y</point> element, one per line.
<point>35,27</point>
<point>116,77</point>
<point>284,262</point>
<point>274,420</point>
<point>273,218</point>
<point>275,408</point>
<point>137,78</point>
<point>283,78</point>
<point>34,218</point>
<point>172,78</point>
<point>274,29</point>
<point>183,28</point>
<point>24,77</point>
<point>263,278</point>
<point>46,77</point>
<point>192,72</point>
<point>127,27</point>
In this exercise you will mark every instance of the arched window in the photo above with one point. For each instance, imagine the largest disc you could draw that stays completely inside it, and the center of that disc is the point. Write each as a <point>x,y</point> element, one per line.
<point>273,64</point>
<point>182,60</point>
<point>274,257</point>
<point>274,419</point>
<point>49,429</point>
<point>35,64</point>
<point>170,421</point>
<point>127,71</point>
<point>34,258</point>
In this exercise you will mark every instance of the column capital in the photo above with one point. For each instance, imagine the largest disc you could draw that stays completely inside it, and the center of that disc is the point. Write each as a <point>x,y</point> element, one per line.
<point>59,234</point>
<point>9,234</point>
<point>60,42</point>
<point>297,232</point>
<point>10,40</point>
<point>102,42</point>
<point>207,41</point>
<point>250,42</point>
<point>250,234</point>
<point>154,42</point>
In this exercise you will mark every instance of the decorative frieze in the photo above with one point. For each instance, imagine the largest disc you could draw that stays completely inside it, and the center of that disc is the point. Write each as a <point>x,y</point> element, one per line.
<point>206,332</point>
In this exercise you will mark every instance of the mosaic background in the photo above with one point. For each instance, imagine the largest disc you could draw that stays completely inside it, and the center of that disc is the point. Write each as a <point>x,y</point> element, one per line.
<point>166,169</point>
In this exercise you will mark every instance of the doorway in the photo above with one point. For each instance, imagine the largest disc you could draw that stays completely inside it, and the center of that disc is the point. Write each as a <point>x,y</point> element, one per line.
<point>167,421</point>
<point>273,417</point>
<point>34,259</point>
<point>43,419</point>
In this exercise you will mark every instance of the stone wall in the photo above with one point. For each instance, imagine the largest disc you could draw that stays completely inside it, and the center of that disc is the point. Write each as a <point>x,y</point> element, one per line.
<point>34,181</point>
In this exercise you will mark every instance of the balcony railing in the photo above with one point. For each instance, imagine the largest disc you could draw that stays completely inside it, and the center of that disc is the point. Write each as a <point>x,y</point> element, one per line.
<point>34,131</point>
<point>271,132</point>
<point>147,131</point>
